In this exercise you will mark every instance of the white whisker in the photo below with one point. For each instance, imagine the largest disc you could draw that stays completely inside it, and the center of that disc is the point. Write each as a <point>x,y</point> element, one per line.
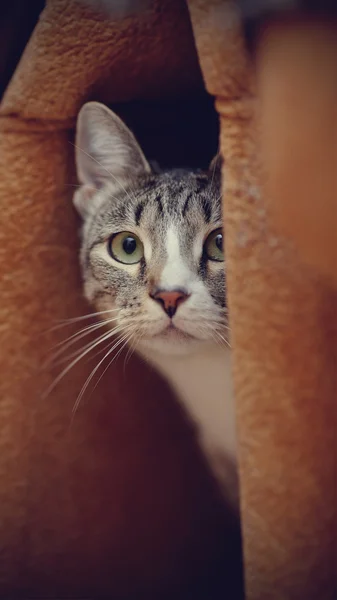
<point>73,339</point>
<point>113,332</point>
<point>88,380</point>
<point>82,318</point>
<point>131,351</point>
<point>100,351</point>
<point>226,342</point>
<point>216,158</point>
<point>74,362</point>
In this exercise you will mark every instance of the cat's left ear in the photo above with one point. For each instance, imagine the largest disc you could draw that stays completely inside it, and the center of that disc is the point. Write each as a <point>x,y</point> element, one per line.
<point>106,152</point>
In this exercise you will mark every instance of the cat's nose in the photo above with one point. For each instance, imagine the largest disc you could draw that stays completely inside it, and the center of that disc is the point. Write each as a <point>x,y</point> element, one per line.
<point>170,299</point>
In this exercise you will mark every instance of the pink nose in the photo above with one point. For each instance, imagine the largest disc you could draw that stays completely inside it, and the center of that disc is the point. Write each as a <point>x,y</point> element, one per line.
<point>170,299</point>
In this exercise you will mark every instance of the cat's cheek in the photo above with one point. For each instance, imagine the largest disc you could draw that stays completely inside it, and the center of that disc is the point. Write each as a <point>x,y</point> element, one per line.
<point>90,290</point>
<point>98,297</point>
<point>216,284</point>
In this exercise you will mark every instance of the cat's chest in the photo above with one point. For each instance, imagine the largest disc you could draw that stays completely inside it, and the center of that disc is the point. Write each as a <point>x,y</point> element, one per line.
<point>203,384</point>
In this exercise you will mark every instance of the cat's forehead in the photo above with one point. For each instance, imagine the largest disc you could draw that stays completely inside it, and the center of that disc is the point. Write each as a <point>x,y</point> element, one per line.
<point>188,200</point>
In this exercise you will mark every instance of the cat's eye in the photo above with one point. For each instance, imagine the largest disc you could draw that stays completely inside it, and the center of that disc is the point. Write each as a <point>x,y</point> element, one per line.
<point>126,248</point>
<point>214,245</point>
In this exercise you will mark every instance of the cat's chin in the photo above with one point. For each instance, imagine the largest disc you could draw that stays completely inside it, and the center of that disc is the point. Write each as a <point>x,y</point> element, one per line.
<point>171,341</point>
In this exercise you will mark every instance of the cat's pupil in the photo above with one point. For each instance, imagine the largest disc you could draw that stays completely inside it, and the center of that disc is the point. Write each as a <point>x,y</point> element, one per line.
<point>218,241</point>
<point>129,245</point>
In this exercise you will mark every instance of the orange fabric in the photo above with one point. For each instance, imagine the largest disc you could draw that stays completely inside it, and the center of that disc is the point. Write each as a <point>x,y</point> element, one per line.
<point>76,54</point>
<point>297,61</point>
<point>283,319</point>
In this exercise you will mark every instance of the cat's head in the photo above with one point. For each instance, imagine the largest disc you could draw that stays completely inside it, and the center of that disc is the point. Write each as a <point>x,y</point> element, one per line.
<point>152,249</point>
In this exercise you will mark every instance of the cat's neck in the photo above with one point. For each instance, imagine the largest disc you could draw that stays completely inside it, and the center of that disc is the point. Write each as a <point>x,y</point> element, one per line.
<point>203,384</point>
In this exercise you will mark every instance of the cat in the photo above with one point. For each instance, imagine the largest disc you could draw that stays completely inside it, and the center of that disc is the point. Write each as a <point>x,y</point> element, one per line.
<point>152,261</point>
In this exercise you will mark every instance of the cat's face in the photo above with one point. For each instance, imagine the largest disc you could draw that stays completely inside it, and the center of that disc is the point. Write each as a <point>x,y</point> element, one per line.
<point>152,249</point>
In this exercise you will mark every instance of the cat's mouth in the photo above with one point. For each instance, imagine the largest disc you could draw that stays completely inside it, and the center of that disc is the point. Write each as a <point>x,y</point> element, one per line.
<point>171,339</point>
<point>172,332</point>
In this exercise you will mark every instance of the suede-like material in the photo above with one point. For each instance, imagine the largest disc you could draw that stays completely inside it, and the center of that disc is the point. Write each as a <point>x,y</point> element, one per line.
<point>76,54</point>
<point>283,320</point>
<point>117,501</point>
<point>298,60</point>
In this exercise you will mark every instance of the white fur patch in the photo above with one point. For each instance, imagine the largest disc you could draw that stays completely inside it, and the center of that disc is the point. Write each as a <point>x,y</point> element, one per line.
<point>203,383</point>
<point>175,274</point>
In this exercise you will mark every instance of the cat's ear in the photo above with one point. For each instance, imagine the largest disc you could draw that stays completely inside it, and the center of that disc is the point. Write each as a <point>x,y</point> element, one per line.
<point>106,151</point>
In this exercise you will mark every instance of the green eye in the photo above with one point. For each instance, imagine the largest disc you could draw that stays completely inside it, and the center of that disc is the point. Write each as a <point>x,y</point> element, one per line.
<point>126,248</point>
<point>214,246</point>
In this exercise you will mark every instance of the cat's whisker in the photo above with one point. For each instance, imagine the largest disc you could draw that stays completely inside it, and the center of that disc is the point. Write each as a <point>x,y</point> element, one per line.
<point>94,371</point>
<point>74,363</point>
<point>216,158</point>
<point>217,341</point>
<point>131,350</point>
<point>78,335</point>
<point>100,351</point>
<point>219,324</point>
<point>106,347</point>
<point>206,329</point>
<point>129,353</point>
<point>211,327</point>
<point>64,322</point>
<point>122,348</point>
<point>64,359</point>
<point>73,339</point>
<point>225,342</point>
<point>76,320</point>
<point>126,340</point>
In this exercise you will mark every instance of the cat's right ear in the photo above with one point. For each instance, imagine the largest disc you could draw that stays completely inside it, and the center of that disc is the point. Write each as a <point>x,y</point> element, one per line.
<point>106,151</point>
<point>216,164</point>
